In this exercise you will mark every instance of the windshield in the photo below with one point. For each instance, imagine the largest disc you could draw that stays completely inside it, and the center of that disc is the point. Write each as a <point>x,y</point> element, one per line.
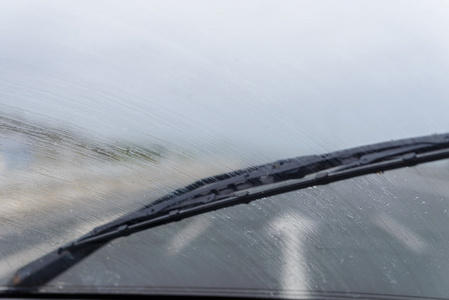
<point>106,106</point>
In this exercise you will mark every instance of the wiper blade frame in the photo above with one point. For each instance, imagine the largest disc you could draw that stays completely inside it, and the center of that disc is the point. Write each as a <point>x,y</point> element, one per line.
<point>241,186</point>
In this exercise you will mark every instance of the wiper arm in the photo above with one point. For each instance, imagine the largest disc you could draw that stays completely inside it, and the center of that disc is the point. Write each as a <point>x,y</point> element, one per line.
<point>241,186</point>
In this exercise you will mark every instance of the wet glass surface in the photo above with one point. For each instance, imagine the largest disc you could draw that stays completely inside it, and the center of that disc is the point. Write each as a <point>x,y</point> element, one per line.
<point>108,105</point>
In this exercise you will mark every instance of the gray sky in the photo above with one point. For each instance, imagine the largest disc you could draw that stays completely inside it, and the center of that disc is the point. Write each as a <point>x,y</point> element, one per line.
<point>295,76</point>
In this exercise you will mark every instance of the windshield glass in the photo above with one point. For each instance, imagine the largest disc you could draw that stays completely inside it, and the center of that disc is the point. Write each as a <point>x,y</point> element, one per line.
<point>106,106</point>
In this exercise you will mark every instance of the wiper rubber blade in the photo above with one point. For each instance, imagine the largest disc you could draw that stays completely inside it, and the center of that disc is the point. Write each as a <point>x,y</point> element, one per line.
<point>241,186</point>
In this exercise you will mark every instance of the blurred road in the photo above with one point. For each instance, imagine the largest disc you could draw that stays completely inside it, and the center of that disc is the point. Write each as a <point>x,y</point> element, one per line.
<point>378,233</point>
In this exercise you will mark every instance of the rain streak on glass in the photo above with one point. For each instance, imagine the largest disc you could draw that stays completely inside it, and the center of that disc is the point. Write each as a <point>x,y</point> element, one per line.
<point>107,105</point>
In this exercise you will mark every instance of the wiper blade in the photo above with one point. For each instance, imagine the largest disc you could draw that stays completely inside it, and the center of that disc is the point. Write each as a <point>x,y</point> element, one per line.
<point>241,186</point>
